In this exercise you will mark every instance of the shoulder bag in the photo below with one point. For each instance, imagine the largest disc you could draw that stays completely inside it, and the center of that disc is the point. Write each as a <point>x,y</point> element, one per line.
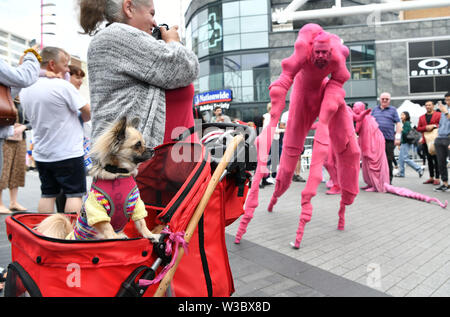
<point>8,112</point>
<point>413,136</point>
<point>430,136</point>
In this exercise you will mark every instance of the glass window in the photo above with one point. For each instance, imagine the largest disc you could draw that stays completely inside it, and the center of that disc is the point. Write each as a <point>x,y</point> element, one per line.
<point>216,81</point>
<point>232,63</point>
<point>18,39</point>
<point>189,37</point>
<point>442,83</point>
<point>203,34</point>
<point>441,48</point>
<point>247,78</point>
<point>4,53</point>
<point>231,26</point>
<point>254,40</point>
<point>202,18</point>
<point>420,49</point>
<point>360,72</point>
<point>203,49</point>
<point>232,79</point>
<point>3,34</point>
<point>262,77</point>
<point>216,65</point>
<point>194,23</point>
<point>247,94</point>
<point>237,94</point>
<point>361,53</point>
<point>253,7</point>
<point>418,85</point>
<point>203,83</point>
<point>251,61</point>
<point>204,68</point>
<point>231,42</point>
<point>230,9</point>
<point>254,23</point>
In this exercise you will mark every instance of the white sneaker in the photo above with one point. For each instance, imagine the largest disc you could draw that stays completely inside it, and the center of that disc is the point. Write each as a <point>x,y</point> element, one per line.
<point>270,180</point>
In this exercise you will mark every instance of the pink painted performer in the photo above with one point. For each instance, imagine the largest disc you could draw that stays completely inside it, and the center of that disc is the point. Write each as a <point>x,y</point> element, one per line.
<point>317,54</point>
<point>375,167</point>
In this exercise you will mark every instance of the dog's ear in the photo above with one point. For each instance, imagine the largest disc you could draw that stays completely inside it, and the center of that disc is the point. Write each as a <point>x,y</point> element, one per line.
<point>120,129</point>
<point>135,122</point>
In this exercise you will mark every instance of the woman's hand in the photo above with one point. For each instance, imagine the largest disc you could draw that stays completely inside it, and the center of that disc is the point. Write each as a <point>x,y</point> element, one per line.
<point>170,35</point>
<point>19,129</point>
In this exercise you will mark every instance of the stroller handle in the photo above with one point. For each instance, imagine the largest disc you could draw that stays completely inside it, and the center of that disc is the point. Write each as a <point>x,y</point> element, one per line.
<point>193,223</point>
<point>249,133</point>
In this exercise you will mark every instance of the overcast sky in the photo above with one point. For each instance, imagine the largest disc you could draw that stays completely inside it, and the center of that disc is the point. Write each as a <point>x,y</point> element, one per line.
<point>22,17</point>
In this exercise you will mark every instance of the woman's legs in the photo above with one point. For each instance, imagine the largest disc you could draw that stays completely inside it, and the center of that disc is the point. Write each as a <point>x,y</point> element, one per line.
<point>409,161</point>
<point>404,149</point>
<point>13,203</point>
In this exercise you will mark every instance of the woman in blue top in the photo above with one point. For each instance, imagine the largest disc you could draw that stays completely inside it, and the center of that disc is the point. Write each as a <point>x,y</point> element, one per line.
<point>405,148</point>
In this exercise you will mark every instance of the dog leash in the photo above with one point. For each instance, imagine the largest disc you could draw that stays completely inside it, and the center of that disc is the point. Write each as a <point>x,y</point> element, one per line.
<point>177,238</point>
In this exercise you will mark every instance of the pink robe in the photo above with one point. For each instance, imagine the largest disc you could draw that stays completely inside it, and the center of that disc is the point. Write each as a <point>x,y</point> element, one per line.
<point>375,167</point>
<point>374,162</point>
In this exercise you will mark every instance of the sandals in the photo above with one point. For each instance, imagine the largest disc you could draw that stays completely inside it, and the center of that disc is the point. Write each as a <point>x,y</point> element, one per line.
<point>5,211</point>
<point>17,208</point>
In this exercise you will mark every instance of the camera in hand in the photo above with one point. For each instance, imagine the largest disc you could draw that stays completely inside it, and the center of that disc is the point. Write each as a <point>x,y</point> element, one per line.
<point>156,33</point>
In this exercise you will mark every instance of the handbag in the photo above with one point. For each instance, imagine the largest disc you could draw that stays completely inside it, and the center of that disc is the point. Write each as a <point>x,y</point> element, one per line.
<point>8,112</point>
<point>413,136</point>
<point>430,136</point>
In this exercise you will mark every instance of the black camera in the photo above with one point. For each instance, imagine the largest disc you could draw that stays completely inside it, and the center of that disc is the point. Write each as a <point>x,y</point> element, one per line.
<point>156,33</point>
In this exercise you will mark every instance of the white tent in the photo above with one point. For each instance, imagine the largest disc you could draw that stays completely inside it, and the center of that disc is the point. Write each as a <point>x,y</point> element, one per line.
<point>415,111</point>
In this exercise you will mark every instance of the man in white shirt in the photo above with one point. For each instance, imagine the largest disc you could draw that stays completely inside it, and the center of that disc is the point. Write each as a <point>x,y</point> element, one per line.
<point>52,107</point>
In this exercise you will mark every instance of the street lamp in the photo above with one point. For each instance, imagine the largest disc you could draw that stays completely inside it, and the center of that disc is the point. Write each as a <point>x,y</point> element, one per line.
<point>43,5</point>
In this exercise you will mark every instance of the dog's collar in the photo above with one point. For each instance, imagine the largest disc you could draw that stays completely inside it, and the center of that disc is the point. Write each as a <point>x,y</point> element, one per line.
<point>116,170</point>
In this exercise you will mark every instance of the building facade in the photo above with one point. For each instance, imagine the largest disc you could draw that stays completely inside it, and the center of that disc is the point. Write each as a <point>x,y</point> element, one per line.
<point>12,47</point>
<point>241,49</point>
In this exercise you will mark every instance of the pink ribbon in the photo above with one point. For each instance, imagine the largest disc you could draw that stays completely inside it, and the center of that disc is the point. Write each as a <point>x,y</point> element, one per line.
<point>177,238</point>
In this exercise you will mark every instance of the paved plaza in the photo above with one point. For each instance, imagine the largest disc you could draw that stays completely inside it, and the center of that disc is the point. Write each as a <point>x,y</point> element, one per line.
<point>391,246</point>
<point>396,245</point>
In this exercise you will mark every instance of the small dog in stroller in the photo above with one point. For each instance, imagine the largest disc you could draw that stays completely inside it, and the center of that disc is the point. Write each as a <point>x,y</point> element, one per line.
<point>114,196</point>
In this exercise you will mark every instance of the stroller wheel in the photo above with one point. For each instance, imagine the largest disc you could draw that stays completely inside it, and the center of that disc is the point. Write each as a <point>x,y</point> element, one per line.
<point>3,274</point>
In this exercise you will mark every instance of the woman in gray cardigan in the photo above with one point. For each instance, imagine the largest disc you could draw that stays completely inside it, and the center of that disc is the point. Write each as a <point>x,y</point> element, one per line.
<point>129,70</point>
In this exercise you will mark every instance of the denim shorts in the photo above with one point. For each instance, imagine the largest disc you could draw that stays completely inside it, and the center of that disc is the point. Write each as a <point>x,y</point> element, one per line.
<point>67,175</point>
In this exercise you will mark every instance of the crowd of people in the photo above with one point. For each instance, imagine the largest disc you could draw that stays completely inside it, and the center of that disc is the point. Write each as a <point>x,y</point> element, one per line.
<point>434,126</point>
<point>135,78</point>
<point>126,79</point>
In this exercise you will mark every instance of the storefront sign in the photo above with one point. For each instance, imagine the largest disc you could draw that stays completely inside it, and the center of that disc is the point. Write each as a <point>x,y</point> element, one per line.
<point>212,97</point>
<point>213,105</point>
<point>429,66</point>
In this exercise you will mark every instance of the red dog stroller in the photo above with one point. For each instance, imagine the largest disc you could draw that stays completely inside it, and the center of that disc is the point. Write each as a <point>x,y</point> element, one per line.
<point>179,192</point>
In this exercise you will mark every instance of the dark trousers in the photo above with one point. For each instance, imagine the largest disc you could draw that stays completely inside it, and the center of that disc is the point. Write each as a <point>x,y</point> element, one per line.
<point>441,146</point>
<point>389,148</point>
<point>432,163</point>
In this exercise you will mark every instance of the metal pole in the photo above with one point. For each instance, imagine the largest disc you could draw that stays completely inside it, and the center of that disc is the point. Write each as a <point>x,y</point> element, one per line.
<point>364,9</point>
<point>42,24</point>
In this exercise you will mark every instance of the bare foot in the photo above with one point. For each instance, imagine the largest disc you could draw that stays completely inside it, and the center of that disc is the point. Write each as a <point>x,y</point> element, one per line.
<point>4,210</point>
<point>17,207</point>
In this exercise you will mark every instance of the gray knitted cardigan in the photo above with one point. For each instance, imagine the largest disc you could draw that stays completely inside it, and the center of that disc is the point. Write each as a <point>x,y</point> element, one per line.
<point>128,73</point>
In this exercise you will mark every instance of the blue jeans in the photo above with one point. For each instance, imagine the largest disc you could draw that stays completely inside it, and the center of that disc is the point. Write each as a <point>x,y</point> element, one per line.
<point>404,158</point>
